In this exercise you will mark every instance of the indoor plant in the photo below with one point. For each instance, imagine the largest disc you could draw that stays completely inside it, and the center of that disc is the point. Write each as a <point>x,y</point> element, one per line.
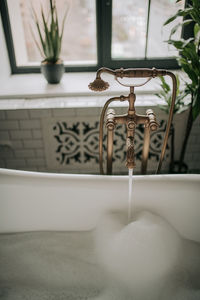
<point>50,41</point>
<point>189,61</point>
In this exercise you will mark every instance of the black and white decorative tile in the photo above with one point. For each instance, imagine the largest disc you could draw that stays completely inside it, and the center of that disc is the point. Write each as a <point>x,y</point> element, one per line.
<point>76,142</point>
<point>71,145</point>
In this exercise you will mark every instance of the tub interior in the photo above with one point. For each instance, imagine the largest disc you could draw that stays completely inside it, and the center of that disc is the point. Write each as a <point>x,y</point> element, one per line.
<point>67,237</point>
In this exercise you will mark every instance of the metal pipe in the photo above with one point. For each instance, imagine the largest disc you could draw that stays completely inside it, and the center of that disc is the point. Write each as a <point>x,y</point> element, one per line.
<point>101,130</point>
<point>145,151</point>
<point>131,72</point>
<point>110,136</point>
<point>110,124</point>
<point>174,83</point>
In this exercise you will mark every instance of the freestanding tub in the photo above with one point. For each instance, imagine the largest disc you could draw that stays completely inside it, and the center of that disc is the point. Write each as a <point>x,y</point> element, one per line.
<point>31,201</point>
<point>33,205</point>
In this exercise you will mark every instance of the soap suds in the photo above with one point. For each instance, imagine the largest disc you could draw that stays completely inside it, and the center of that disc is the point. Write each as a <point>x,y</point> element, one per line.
<point>146,259</point>
<point>49,265</point>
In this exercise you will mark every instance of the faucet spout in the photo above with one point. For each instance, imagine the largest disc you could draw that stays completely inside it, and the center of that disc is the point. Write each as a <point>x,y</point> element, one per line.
<point>130,157</point>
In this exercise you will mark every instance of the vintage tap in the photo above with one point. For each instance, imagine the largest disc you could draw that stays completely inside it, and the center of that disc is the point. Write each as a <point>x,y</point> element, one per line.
<point>131,119</point>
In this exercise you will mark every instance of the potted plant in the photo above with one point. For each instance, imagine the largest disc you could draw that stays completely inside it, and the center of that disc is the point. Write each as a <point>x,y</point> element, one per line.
<point>50,42</point>
<point>189,61</point>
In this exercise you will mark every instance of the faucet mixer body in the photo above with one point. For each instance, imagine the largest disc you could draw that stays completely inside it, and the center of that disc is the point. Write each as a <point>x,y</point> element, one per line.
<point>131,119</point>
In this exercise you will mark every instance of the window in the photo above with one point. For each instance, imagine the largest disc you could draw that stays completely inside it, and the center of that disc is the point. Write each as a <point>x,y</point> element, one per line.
<point>111,33</point>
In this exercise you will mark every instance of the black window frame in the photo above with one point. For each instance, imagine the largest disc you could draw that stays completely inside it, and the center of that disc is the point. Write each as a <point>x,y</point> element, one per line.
<point>104,39</point>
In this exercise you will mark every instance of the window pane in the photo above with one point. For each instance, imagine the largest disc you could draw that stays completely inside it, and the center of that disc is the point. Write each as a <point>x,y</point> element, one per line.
<point>129,28</point>
<point>160,11</point>
<point>79,40</point>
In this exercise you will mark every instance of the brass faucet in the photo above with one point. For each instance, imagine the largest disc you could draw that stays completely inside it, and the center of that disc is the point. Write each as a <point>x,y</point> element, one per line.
<point>131,119</point>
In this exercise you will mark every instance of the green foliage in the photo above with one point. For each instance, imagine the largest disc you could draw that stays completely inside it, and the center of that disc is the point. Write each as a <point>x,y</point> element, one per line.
<point>189,50</point>
<point>50,35</point>
<point>166,95</point>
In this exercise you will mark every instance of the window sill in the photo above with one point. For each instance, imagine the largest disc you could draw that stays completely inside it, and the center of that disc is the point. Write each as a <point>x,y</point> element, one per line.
<point>32,91</point>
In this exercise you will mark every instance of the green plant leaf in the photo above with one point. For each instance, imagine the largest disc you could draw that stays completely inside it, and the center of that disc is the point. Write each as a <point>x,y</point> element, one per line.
<point>195,13</point>
<point>181,24</point>
<point>163,108</point>
<point>166,95</point>
<point>189,70</point>
<point>165,86</point>
<point>177,44</point>
<point>196,3</point>
<point>180,13</point>
<point>63,23</point>
<point>57,43</point>
<point>48,46</point>
<point>39,32</point>
<point>51,6</point>
<point>196,29</point>
<point>37,44</point>
<point>158,95</point>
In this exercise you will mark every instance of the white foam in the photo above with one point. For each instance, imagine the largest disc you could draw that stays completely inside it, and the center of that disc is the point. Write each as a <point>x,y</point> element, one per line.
<point>145,259</point>
<point>48,265</point>
<point>141,255</point>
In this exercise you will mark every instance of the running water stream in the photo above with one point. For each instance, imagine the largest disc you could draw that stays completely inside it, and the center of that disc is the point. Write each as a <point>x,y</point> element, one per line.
<point>130,194</point>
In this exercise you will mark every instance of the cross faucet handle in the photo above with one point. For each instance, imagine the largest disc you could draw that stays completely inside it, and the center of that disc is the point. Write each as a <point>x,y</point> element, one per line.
<point>153,124</point>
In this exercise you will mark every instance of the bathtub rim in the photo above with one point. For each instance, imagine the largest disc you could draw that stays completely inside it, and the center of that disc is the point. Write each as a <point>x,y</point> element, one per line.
<point>51,175</point>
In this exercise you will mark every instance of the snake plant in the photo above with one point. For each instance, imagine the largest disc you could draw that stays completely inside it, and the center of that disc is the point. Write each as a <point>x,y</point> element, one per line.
<point>50,34</point>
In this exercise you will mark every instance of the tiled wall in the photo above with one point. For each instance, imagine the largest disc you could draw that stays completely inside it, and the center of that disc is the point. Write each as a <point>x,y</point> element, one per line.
<point>21,140</point>
<point>28,141</point>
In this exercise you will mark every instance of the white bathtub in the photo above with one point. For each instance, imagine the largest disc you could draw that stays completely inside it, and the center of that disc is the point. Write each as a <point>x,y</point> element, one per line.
<point>31,201</point>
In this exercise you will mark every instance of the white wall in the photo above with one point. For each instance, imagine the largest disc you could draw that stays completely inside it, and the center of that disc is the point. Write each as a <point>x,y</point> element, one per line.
<point>4,60</point>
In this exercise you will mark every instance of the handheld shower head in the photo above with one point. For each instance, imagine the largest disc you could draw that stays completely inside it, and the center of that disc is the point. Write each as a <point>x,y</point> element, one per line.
<point>98,85</point>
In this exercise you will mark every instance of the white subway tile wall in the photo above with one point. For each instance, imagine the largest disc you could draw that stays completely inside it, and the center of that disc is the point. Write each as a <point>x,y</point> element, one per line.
<point>48,140</point>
